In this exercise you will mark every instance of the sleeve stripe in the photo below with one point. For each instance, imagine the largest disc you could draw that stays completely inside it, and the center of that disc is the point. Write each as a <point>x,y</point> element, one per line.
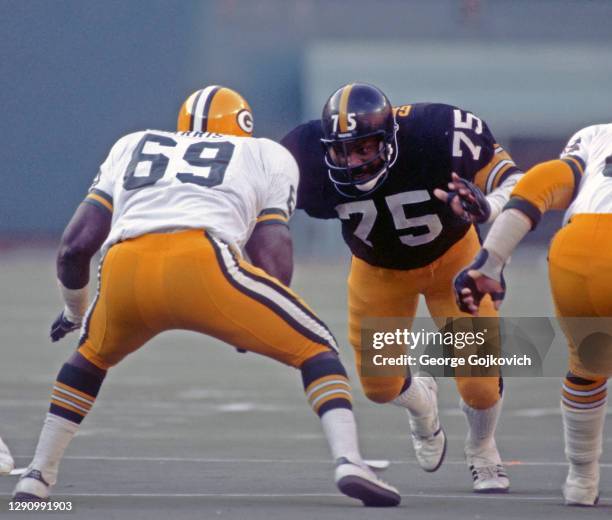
<point>579,160</point>
<point>576,171</point>
<point>511,170</point>
<point>96,200</point>
<point>523,205</point>
<point>97,203</point>
<point>268,222</point>
<point>485,177</point>
<point>277,218</point>
<point>493,174</point>
<point>273,211</point>
<point>103,194</point>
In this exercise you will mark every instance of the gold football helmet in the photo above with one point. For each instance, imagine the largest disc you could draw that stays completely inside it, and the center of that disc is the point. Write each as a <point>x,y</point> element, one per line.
<point>216,109</point>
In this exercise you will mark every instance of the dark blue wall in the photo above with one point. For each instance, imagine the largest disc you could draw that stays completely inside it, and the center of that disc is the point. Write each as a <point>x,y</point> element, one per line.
<point>75,76</point>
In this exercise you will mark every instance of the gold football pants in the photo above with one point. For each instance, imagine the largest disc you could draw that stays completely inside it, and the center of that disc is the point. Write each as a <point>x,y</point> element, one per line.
<point>580,270</point>
<point>379,292</point>
<point>190,280</point>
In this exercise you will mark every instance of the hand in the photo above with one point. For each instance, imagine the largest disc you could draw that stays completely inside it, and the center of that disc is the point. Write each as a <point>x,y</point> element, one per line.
<point>472,285</point>
<point>465,199</point>
<point>62,326</point>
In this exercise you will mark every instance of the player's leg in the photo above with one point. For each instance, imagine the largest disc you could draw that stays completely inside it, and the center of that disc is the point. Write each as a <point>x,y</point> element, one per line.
<point>244,306</point>
<point>385,293</point>
<point>74,393</point>
<point>481,394</point>
<point>583,409</point>
<point>6,460</point>
<point>581,281</point>
<point>113,328</point>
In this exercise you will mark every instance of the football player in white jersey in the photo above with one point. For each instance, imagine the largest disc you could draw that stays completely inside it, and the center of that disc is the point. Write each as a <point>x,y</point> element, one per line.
<point>6,461</point>
<point>171,212</point>
<point>580,270</point>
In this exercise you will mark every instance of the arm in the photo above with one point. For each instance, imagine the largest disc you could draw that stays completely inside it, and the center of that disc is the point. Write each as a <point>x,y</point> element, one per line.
<point>270,248</point>
<point>548,185</point>
<point>82,238</point>
<point>469,202</point>
<point>483,172</point>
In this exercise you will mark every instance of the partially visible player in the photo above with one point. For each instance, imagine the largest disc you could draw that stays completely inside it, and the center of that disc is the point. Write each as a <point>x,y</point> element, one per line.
<point>7,464</point>
<point>171,211</point>
<point>384,172</point>
<point>580,270</point>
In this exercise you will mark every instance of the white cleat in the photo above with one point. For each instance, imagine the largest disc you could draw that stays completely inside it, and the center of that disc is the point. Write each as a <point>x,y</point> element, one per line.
<point>428,437</point>
<point>487,471</point>
<point>7,464</point>
<point>580,491</point>
<point>31,487</point>
<point>360,482</point>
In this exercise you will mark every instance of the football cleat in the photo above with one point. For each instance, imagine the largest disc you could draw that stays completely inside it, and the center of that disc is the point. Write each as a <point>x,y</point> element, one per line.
<point>580,491</point>
<point>360,482</point>
<point>216,109</point>
<point>32,487</point>
<point>428,437</point>
<point>7,464</point>
<point>488,473</point>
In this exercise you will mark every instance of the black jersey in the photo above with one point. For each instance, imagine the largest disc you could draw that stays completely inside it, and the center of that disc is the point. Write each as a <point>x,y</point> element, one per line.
<point>402,225</point>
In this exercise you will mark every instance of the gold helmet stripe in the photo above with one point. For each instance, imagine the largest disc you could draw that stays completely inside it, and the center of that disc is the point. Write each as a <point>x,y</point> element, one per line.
<point>200,108</point>
<point>342,116</point>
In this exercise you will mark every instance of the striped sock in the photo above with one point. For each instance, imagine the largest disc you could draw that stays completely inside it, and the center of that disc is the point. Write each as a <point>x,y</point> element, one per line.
<point>584,412</point>
<point>329,393</point>
<point>326,384</point>
<point>584,394</point>
<point>74,393</point>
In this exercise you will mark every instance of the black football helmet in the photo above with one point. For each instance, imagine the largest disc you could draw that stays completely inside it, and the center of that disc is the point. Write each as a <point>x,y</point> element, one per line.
<point>359,138</point>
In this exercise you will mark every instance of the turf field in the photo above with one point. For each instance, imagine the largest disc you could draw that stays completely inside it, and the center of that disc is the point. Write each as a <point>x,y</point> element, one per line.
<point>188,428</point>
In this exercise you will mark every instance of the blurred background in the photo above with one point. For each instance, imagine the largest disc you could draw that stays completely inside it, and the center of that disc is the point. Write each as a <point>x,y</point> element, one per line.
<point>78,74</point>
<point>75,75</point>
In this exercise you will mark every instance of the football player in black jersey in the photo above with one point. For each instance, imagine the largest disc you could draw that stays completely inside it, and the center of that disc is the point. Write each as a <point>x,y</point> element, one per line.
<point>408,184</point>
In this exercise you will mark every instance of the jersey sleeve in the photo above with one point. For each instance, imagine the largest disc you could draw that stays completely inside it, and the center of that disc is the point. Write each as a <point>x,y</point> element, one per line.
<point>576,151</point>
<point>548,185</point>
<point>553,184</point>
<point>280,199</point>
<point>100,193</point>
<point>476,155</point>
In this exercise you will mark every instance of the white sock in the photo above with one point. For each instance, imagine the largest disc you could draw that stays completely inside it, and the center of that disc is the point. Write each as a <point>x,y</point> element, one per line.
<point>583,431</point>
<point>341,433</point>
<point>55,436</point>
<point>481,426</point>
<point>416,399</point>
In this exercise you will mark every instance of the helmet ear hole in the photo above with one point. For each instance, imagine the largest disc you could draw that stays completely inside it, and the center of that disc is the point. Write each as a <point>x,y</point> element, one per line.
<point>216,109</point>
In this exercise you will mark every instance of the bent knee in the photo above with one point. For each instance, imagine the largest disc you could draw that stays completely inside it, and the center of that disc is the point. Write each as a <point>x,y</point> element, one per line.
<point>382,389</point>
<point>479,392</point>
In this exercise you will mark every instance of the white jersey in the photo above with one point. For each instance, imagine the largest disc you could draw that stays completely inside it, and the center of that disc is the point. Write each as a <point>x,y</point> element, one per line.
<point>155,181</point>
<point>592,146</point>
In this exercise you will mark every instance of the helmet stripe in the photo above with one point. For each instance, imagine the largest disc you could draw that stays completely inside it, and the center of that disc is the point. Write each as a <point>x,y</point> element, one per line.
<point>342,116</point>
<point>201,106</point>
<point>187,108</point>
